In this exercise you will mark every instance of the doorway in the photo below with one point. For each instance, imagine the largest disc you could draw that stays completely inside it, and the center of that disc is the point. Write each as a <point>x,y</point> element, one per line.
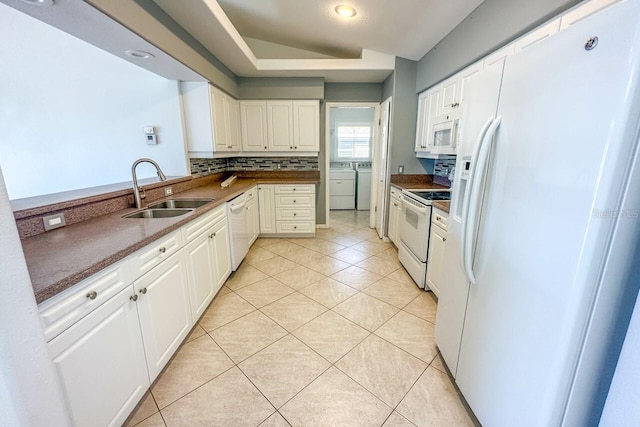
<point>351,143</point>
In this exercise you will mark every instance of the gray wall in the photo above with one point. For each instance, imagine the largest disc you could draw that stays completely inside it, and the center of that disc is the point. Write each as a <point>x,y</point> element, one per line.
<point>404,110</point>
<point>353,92</point>
<point>387,86</point>
<point>280,88</point>
<point>492,24</point>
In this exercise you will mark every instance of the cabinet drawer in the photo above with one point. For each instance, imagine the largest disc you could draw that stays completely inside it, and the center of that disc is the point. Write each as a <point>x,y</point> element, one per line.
<point>295,226</point>
<point>150,256</point>
<point>395,192</point>
<point>65,309</point>
<point>440,218</point>
<point>294,201</point>
<point>251,193</point>
<point>295,189</point>
<point>200,225</point>
<point>342,187</point>
<point>295,214</point>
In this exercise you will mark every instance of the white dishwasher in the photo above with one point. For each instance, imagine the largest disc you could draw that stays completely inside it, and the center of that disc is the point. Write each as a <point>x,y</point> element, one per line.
<point>239,231</point>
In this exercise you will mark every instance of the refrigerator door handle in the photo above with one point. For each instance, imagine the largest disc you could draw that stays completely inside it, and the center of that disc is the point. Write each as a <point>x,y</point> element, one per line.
<point>467,194</point>
<point>476,197</point>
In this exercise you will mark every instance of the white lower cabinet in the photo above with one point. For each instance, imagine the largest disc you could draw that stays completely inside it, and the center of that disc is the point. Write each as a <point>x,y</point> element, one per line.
<point>267,208</point>
<point>202,277</point>
<point>395,212</point>
<point>101,362</point>
<point>221,252</point>
<point>253,216</point>
<point>165,313</point>
<point>437,242</point>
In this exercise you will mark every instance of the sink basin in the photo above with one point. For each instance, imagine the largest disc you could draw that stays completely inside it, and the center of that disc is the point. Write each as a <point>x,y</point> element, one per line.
<point>180,203</point>
<point>158,213</point>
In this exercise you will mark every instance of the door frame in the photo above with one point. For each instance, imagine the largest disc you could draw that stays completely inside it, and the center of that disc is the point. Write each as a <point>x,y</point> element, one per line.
<point>327,147</point>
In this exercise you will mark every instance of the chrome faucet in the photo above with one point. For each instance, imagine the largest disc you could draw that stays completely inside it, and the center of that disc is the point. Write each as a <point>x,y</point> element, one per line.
<point>136,189</point>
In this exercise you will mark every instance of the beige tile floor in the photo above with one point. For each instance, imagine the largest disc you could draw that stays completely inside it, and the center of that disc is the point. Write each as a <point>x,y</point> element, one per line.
<point>328,331</point>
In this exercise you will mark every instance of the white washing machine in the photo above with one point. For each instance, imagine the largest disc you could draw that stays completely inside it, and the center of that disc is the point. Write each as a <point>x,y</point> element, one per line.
<point>363,193</point>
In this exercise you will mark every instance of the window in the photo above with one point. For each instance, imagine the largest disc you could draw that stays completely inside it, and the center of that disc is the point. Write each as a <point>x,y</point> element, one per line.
<point>354,142</point>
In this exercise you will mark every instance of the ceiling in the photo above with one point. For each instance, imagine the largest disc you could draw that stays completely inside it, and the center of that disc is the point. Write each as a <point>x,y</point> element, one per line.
<point>268,38</point>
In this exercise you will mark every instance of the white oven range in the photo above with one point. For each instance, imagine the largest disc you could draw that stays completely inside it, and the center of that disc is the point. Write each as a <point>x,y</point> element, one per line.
<point>415,226</point>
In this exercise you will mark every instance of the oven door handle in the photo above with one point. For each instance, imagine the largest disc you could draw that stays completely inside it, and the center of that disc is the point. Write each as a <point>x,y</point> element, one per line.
<point>409,205</point>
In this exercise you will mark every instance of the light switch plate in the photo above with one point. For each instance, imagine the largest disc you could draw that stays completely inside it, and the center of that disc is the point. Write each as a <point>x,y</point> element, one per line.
<point>54,221</point>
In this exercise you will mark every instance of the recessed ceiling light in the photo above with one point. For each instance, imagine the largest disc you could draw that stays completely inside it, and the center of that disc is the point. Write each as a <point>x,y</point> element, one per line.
<point>346,11</point>
<point>140,54</point>
<point>39,2</point>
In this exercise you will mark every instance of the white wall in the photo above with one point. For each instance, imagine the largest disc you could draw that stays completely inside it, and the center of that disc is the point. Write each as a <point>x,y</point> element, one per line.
<point>71,115</point>
<point>30,392</point>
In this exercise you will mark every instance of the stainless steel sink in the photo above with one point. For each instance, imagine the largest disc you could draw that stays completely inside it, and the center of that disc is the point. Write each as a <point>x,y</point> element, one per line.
<point>180,203</point>
<point>158,213</point>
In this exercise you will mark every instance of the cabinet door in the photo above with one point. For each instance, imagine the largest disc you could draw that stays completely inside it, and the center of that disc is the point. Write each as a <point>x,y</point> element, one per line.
<point>221,253</point>
<point>200,270</point>
<point>253,220</point>
<point>306,130</point>
<point>267,208</point>
<point>280,125</point>
<point>220,126</point>
<point>499,55</point>
<point>448,99</point>
<point>234,137</point>
<point>436,259</point>
<point>101,363</point>
<point>165,314</point>
<point>394,216</point>
<point>422,120</point>
<point>433,107</point>
<point>465,75</point>
<point>253,119</point>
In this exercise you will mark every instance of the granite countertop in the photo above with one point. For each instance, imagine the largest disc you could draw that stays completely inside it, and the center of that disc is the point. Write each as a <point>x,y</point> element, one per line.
<point>63,257</point>
<point>442,205</point>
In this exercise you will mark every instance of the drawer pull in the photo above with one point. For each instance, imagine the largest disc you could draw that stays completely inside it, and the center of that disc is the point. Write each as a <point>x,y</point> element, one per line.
<point>295,214</point>
<point>143,291</point>
<point>265,147</point>
<point>92,295</point>
<point>295,148</point>
<point>294,189</point>
<point>295,227</point>
<point>163,250</point>
<point>294,201</point>
<point>133,298</point>
<point>444,239</point>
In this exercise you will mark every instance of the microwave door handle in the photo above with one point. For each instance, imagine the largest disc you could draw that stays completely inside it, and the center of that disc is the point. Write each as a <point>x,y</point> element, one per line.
<point>476,198</point>
<point>467,195</point>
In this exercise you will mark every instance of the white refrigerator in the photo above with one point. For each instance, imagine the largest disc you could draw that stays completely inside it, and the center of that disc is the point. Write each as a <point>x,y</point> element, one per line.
<point>544,223</point>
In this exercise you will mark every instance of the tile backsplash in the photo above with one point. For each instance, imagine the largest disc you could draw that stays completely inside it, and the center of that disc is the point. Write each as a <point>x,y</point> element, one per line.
<point>203,167</point>
<point>441,170</point>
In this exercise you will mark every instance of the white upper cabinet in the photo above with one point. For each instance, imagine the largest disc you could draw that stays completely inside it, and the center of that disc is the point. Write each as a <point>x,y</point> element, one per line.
<point>211,118</point>
<point>253,116</point>
<point>429,103</point>
<point>587,9</point>
<point>499,55</point>
<point>306,127</point>
<point>464,77</point>
<point>280,125</point>
<point>448,96</point>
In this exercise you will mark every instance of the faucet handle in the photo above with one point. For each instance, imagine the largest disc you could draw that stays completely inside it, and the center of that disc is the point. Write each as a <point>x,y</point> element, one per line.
<point>142,193</point>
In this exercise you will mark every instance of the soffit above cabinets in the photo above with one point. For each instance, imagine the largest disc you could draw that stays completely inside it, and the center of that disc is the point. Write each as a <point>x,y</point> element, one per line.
<point>248,35</point>
<point>94,27</point>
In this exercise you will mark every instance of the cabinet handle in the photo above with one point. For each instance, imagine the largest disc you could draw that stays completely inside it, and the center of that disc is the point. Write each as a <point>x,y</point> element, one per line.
<point>294,201</point>
<point>295,214</point>
<point>92,295</point>
<point>214,234</point>
<point>163,250</point>
<point>395,204</point>
<point>265,147</point>
<point>295,148</point>
<point>294,189</point>
<point>438,218</point>
<point>444,239</point>
<point>133,298</point>
<point>295,227</point>
<point>143,291</point>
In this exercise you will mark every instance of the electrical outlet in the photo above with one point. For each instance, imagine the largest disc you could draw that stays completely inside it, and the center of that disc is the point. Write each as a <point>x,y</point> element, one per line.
<point>401,169</point>
<point>168,191</point>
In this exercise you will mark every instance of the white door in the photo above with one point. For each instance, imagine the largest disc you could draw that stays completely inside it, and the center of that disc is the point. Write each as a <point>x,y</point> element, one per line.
<point>253,119</point>
<point>165,313</point>
<point>221,253</point>
<point>382,156</point>
<point>280,125</point>
<point>306,130</point>
<point>101,363</point>
<point>201,273</point>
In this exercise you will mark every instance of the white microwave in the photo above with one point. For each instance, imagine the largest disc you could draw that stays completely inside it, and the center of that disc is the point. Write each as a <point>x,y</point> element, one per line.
<point>443,135</point>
